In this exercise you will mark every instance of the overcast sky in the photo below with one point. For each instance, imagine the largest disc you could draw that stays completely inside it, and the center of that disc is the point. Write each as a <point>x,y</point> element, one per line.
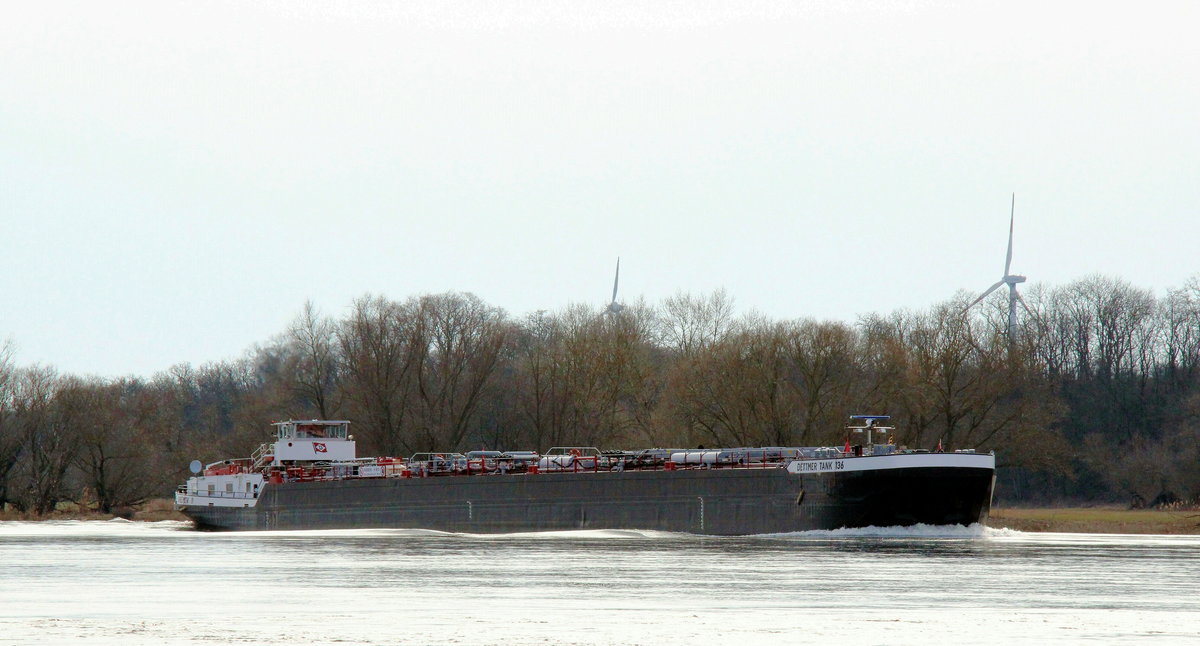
<point>177,179</point>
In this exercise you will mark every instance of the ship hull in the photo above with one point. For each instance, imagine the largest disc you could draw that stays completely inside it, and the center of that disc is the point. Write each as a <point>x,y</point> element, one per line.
<point>729,501</point>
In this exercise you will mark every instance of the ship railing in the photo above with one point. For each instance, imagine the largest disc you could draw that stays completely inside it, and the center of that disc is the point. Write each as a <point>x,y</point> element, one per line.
<point>734,458</point>
<point>678,461</point>
<point>672,460</point>
<point>216,494</point>
<point>259,458</point>
<point>774,463</point>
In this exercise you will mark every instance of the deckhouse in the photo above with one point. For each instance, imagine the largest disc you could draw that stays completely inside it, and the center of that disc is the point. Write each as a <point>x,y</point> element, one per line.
<point>325,440</point>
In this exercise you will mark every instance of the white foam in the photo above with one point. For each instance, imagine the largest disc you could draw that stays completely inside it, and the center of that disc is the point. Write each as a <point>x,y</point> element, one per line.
<point>1003,532</point>
<point>332,533</point>
<point>118,527</point>
<point>575,534</point>
<point>974,530</point>
<point>114,527</point>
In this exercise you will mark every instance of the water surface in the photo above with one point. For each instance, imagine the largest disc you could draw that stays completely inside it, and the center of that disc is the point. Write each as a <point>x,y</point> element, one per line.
<point>95,582</point>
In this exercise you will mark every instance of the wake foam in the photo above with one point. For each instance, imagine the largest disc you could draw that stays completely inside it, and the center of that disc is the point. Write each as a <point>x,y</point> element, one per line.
<point>974,530</point>
<point>1003,532</point>
<point>114,527</point>
<point>118,527</point>
<point>331,533</point>
<point>577,534</point>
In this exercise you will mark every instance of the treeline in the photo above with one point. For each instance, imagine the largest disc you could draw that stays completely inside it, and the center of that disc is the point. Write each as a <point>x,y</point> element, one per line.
<point>1095,397</point>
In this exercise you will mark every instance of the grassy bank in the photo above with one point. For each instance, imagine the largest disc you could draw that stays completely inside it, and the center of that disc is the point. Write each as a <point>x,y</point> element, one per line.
<point>1098,520</point>
<point>151,511</point>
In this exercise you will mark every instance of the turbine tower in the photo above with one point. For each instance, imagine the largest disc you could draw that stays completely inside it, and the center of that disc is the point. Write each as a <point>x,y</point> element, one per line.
<point>1009,279</point>
<point>614,307</point>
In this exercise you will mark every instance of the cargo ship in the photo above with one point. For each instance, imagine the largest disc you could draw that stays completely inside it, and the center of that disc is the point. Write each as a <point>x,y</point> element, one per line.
<point>311,478</point>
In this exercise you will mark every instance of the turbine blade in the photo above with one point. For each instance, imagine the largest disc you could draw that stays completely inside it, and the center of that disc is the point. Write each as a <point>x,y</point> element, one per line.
<point>616,278</point>
<point>1008,258</point>
<point>984,294</point>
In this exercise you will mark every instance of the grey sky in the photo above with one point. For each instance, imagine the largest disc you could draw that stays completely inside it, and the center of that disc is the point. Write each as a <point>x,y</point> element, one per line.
<point>177,179</point>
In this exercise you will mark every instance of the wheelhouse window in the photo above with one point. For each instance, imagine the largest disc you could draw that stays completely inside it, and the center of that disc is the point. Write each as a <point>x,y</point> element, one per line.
<point>317,429</point>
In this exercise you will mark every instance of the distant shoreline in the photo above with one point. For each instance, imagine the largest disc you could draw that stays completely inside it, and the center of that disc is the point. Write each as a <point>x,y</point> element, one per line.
<point>1081,520</point>
<point>1097,520</point>
<point>152,511</point>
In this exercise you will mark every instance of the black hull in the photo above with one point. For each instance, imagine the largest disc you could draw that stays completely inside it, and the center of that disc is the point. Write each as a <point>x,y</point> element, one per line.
<point>717,501</point>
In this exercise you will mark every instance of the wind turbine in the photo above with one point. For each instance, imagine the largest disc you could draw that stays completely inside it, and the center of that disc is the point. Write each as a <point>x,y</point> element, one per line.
<point>614,307</point>
<point>1009,279</point>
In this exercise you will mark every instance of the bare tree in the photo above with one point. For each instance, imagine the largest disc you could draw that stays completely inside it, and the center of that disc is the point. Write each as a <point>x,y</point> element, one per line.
<point>462,344</point>
<point>738,393</point>
<point>589,358</point>
<point>11,441</point>
<point>47,411</point>
<point>691,324</point>
<point>891,375</point>
<point>540,382</point>
<point>1180,316</point>
<point>381,344</point>
<point>587,379</point>
<point>314,352</point>
<point>825,365</point>
<point>120,457</point>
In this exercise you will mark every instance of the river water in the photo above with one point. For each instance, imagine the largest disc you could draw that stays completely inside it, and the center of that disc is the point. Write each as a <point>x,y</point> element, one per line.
<point>120,582</point>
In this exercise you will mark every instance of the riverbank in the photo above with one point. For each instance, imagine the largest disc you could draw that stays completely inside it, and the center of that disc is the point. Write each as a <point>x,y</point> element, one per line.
<point>1098,520</point>
<point>151,511</point>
